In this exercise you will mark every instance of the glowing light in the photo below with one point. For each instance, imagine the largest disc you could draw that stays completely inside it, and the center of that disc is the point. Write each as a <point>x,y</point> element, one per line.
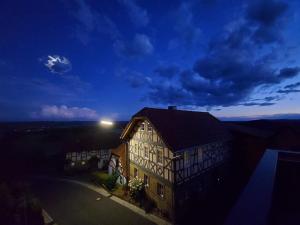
<point>83,163</point>
<point>106,123</point>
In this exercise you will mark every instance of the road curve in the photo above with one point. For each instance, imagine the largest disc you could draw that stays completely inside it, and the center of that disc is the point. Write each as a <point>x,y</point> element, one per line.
<point>73,204</point>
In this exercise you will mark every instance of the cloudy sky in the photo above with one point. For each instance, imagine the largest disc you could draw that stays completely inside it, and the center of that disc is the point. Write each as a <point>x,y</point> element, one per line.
<point>91,59</point>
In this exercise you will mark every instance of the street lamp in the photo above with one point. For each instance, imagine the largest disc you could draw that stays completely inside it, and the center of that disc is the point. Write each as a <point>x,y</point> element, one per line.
<point>106,123</point>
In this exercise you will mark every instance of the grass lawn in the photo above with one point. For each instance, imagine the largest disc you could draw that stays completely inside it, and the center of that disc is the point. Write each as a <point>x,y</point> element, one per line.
<point>99,177</point>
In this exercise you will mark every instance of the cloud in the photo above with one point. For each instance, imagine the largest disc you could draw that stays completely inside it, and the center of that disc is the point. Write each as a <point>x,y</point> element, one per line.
<point>138,47</point>
<point>138,15</point>
<point>292,116</point>
<point>287,91</point>
<point>258,104</point>
<point>91,23</point>
<point>266,16</point>
<point>64,112</point>
<point>184,25</point>
<point>58,64</point>
<point>234,66</point>
<point>266,101</point>
<point>290,89</point>
<point>289,72</point>
<point>169,94</point>
<point>292,86</point>
<point>266,12</point>
<point>167,71</point>
<point>134,78</point>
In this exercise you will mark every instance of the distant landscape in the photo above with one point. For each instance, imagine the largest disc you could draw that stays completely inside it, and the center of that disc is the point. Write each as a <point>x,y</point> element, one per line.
<point>26,145</point>
<point>31,145</point>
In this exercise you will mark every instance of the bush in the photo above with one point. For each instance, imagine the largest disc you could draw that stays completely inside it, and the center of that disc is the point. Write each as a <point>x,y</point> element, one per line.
<point>101,178</point>
<point>111,181</point>
<point>136,189</point>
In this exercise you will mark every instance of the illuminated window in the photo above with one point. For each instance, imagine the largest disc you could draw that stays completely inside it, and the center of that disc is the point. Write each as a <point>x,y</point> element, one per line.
<point>146,180</point>
<point>143,126</point>
<point>146,152</point>
<point>160,190</point>
<point>159,156</point>
<point>135,172</point>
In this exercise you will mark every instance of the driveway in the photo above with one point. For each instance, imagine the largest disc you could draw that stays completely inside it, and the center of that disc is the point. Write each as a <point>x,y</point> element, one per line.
<point>73,204</point>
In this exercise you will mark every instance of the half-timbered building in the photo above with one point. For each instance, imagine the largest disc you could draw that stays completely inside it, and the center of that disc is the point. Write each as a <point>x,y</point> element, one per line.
<point>175,152</point>
<point>81,148</point>
<point>118,163</point>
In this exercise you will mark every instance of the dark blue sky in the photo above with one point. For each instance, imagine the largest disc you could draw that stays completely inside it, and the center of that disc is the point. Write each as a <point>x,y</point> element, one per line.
<point>84,59</point>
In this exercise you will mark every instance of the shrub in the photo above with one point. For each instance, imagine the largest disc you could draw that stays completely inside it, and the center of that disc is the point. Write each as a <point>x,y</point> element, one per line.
<point>110,183</point>
<point>99,177</point>
<point>136,189</point>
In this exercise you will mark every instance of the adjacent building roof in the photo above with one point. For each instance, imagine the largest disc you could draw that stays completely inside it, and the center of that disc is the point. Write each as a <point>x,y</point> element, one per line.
<point>248,130</point>
<point>181,129</point>
<point>93,138</point>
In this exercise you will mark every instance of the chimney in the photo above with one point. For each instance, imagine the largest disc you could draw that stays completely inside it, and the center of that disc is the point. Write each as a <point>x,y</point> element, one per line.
<point>172,107</point>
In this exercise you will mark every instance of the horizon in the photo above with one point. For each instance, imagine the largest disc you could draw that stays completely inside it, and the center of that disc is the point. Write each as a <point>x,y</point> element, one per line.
<point>90,60</point>
<point>224,119</point>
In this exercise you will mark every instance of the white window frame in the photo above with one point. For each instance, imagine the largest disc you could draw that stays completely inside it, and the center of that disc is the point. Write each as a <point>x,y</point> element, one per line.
<point>148,180</point>
<point>159,149</point>
<point>143,126</point>
<point>160,191</point>
<point>146,149</point>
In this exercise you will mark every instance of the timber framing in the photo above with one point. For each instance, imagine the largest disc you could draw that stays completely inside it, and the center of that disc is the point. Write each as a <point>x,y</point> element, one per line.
<point>176,149</point>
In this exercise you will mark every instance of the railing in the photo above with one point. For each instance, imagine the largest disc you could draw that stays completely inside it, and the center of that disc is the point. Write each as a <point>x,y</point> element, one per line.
<point>254,204</point>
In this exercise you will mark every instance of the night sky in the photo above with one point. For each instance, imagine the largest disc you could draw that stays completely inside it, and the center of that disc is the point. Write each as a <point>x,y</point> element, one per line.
<point>92,59</point>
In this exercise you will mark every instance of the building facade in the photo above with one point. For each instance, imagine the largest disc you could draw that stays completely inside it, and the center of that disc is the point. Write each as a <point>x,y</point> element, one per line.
<point>84,156</point>
<point>118,164</point>
<point>173,155</point>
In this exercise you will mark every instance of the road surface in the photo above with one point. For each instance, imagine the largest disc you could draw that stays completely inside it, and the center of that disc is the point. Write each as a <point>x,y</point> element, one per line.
<point>73,204</point>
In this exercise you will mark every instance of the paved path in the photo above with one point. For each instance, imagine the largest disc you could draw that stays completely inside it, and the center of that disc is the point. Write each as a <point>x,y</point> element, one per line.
<point>72,204</point>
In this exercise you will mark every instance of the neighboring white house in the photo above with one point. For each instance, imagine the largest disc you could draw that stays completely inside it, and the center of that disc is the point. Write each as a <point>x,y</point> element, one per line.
<point>117,163</point>
<point>103,156</point>
<point>91,142</point>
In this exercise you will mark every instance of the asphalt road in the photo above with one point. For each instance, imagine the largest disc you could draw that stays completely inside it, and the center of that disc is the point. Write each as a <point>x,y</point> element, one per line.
<point>72,204</point>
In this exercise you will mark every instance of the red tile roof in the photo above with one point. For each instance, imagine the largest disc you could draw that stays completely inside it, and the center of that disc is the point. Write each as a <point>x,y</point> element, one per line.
<point>181,129</point>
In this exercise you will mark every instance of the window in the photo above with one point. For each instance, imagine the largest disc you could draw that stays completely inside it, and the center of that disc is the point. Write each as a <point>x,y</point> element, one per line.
<point>159,156</point>
<point>143,126</point>
<point>135,149</point>
<point>186,159</point>
<point>149,127</point>
<point>160,190</point>
<point>146,152</point>
<point>146,180</point>
<point>135,172</point>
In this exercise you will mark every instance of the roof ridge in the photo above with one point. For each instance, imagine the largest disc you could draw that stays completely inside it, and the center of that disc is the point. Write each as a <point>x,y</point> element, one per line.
<point>168,110</point>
